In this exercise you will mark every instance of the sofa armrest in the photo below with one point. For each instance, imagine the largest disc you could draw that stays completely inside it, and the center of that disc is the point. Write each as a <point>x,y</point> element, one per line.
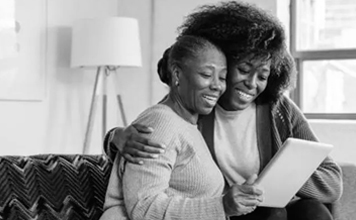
<point>345,208</point>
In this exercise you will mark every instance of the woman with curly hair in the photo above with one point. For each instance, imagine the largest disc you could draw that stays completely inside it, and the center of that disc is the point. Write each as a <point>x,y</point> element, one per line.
<point>253,117</point>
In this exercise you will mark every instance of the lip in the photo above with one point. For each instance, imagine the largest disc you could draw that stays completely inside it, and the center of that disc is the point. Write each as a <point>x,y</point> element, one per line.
<point>247,93</point>
<point>211,99</point>
<point>244,97</point>
<point>212,96</point>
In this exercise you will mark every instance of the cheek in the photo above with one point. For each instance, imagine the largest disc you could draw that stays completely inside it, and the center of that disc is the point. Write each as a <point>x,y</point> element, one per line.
<point>262,86</point>
<point>198,83</point>
<point>191,87</point>
<point>224,87</point>
<point>232,81</point>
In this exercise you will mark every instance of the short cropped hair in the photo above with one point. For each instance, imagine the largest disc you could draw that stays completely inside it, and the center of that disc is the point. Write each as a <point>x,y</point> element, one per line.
<point>242,29</point>
<point>185,47</point>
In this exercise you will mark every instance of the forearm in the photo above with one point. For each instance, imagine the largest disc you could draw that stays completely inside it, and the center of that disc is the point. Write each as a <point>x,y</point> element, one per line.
<point>325,184</point>
<point>163,207</point>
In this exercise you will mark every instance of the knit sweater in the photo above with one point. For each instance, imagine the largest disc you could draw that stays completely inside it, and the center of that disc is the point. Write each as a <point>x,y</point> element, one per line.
<point>275,123</point>
<point>182,183</point>
<point>325,184</point>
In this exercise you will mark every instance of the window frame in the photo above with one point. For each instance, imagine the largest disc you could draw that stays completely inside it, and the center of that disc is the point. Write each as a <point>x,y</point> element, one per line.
<point>301,56</point>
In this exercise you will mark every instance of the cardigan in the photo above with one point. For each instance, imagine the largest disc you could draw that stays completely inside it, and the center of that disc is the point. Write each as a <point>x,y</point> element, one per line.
<point>275,123</point>
<point>182,183</point>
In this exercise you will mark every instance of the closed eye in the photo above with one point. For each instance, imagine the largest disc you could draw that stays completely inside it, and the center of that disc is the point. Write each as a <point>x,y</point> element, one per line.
<point>263,78</point>
<point>205,75</point>
<point>243,71</point>
<point>222,78</point>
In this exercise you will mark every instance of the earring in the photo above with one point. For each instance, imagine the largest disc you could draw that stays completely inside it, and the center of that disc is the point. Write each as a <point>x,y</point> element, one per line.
<point>176,83</point>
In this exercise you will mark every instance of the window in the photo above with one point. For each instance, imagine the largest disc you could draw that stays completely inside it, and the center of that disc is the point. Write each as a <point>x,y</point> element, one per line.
<point>323,42</point>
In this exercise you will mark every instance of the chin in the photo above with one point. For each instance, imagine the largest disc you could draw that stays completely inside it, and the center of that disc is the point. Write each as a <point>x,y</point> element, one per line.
<point>237,106</point>
<point>205,111</point>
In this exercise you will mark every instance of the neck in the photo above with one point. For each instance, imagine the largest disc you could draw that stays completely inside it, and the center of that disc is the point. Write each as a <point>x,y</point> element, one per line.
<point>175,103</point>
<point>230,108</point>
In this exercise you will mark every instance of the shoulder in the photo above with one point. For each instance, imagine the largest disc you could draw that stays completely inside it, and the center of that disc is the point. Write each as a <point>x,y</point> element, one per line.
<point>291,121</point>
<point>166,124</point>
<point>284,102</point>
<point>158,111</point>
<point>160,115</point>
<point>286,107</point>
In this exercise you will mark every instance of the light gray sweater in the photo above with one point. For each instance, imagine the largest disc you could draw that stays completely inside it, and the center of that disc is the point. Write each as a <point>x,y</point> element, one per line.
<point>183,183</point>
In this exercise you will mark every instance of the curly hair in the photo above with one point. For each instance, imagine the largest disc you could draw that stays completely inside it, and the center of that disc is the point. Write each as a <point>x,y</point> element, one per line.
<point>241,29</point>
<point>280,80</point>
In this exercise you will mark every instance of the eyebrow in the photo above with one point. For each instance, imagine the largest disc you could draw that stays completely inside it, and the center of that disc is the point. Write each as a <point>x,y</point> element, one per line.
<point>212,66</point>
<point>246,62</point>
<point>263,65</point>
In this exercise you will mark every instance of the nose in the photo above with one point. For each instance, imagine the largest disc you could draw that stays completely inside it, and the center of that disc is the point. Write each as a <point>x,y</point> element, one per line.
<point>251,81</point>
<point>217,84</point>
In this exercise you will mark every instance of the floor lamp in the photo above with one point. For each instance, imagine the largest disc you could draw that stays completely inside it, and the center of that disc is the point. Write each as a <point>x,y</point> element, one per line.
<point>105,44</point>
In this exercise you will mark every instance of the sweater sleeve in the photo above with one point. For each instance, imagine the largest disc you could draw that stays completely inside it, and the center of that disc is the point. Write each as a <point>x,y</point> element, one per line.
<point>325,184</point>
<point>114,207</point>
<point>147,191</point>
<point>109,149</point>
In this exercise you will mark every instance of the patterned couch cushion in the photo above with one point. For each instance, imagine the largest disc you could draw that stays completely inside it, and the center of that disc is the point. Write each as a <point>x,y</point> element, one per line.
<point>53,186</point>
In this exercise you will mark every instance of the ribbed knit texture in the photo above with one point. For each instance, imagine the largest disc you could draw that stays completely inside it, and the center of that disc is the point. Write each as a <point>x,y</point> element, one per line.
<point>288,121</point>
<point>235,138</point>
<point>183,183</point>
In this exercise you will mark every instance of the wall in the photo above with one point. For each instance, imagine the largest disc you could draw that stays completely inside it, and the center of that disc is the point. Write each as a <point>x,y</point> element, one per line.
<point>57,124</point>
<point>340,133</point>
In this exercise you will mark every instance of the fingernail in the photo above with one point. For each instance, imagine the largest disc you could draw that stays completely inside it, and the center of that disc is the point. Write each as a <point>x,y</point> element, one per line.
<point>140,162</point>
<point>161,151</point>
<point>155,155</point>
<point>163,146</point>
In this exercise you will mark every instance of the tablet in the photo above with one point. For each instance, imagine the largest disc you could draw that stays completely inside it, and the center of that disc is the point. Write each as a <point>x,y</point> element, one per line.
<point>289,169</point>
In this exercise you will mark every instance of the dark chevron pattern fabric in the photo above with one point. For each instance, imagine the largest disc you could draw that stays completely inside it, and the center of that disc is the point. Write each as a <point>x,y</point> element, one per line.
<point>50,186</point>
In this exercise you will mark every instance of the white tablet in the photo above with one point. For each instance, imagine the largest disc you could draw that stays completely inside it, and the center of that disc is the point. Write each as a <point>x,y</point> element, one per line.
<point>289,169</point>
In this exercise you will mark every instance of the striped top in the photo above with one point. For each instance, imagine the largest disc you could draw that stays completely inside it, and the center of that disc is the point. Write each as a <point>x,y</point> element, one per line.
<point>182,183</point>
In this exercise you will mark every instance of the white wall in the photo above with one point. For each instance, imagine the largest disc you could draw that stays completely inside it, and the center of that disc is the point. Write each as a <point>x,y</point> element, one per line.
<point>340,133</point>
<point>57,124</point>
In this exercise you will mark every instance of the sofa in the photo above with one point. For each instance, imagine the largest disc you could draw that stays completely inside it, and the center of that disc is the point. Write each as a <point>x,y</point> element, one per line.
<point>52,186</point>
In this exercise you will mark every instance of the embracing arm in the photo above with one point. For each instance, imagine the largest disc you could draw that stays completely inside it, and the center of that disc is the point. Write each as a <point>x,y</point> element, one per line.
<point>109,148</point>
<point>131,143</point>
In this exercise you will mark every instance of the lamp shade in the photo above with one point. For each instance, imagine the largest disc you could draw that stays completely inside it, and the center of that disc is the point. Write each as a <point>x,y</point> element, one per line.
<point>112,41</point>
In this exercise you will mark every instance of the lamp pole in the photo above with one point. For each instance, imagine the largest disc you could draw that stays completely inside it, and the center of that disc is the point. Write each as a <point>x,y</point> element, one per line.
<point>101,80</point>
<point>104,43</point>
<point>92,110</point>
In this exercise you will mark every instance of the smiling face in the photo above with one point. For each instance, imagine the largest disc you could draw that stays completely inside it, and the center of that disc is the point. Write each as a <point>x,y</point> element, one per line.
<point>202,80</point>
<point>246,80</point>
